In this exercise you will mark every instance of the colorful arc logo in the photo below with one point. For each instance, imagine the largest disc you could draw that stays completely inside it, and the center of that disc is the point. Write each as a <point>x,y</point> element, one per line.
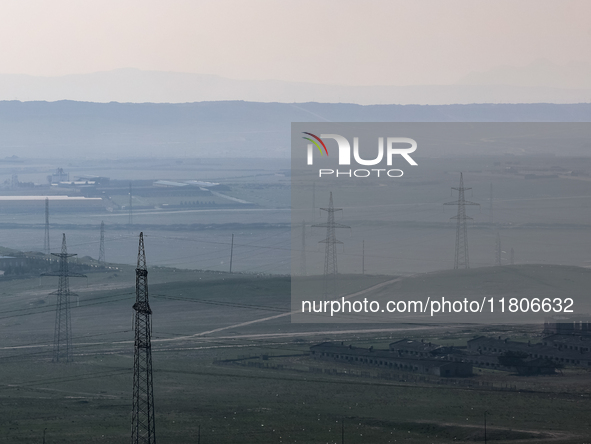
<point>315,143</point>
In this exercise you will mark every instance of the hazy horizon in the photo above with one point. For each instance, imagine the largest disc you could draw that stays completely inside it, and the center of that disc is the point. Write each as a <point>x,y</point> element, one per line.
<point>378,52</point>
<point>131,85</point>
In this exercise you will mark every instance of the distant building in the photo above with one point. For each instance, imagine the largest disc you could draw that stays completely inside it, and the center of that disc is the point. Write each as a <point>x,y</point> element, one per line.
<point>387,359</point>
<point>567,325</point>
<point>420,349</point>
<point>413,348</point>
<point>170,183</point>
<point>496,346</point>
<point>59,203</point>
<point>10,262</point>
<point>97,180</point>
<point>573,342</point>
<point>539,366</point>
<point>188,183</point>
<point>60,176</point>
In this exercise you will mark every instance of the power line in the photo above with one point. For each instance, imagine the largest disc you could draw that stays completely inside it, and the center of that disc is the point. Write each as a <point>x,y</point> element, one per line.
<point>46,310</point>
<point>226,304</point>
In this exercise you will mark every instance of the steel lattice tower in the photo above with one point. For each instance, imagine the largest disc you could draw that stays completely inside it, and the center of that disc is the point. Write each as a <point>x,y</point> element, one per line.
<point>101,257</point>
<point>330,258</point>
<point>142,416</point>
<point>498,250</point>
<point>461,257</point>
<point>303,256</point>
<point>46,247</point>
<point>62,339</point>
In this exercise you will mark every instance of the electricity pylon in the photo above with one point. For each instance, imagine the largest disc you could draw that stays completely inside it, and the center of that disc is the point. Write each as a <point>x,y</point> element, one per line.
<point>330,258</point>
<point>62,339</point>
<point>512,261</point>
<point>461,256</point>
<point>101,257</point>
<point>142,416</point>
<point>46,247</point>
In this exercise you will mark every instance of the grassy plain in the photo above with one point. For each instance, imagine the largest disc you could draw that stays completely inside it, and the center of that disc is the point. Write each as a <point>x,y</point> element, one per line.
<point>202,318</point>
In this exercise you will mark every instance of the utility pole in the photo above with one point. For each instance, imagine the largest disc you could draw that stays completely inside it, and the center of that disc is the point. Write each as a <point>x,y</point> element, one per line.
<point>231,252</point>
<point>363,257</point>
<point>142,416</point>
<point>343,430</point>
<point>199,434</point>
<point>512,257</point>
<point>303,256</point>
<point>490,209</point>
<point>485,426</point>
<point>498,250</point>
<point>330,256</point>
<point>491,223</point>
<point>314,199</point>
<point>46,247</point>
<point>62,338</point>
<point>101,258</point>
<point>461,256</point>
<point>130,207</point>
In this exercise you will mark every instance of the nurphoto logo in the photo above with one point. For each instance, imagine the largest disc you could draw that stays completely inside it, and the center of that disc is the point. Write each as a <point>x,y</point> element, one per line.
<point>394,146</point>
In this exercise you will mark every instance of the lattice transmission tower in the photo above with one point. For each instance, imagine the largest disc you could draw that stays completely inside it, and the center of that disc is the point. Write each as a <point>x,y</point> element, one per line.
<point>461,257</point>
<point>62,338</point>
<point>101,257</point>
<point>330,258</point>
<point>142,417</point>
<point>46,247</point>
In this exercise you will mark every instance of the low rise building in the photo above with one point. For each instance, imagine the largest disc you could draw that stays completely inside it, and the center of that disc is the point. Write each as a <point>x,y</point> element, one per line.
<point>568,325</point>
<point>387,359</point>
<point>496,346</point>
<point>573,342</point>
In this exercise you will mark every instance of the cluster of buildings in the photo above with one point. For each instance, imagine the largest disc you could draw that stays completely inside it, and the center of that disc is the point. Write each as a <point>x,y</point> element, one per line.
<point>431,364</point>
<point>567,343</point>
<point>100,193</point>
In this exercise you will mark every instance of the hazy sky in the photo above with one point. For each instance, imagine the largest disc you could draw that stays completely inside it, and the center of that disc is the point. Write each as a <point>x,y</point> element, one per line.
<point>324,41</point>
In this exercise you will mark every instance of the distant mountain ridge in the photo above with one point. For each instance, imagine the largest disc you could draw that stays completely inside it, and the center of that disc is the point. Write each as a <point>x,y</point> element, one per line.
<point>539,73</point>
<point>137,86</point>
<point>216,129</point>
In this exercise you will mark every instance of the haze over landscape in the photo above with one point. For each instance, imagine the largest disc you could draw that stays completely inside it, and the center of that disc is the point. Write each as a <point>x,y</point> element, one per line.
<point>540,82</point>
<point>131,124</point>
<point>348,52</point>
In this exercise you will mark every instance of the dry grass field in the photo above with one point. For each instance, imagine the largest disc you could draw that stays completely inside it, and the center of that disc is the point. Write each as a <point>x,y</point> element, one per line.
<point>203,318</point>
